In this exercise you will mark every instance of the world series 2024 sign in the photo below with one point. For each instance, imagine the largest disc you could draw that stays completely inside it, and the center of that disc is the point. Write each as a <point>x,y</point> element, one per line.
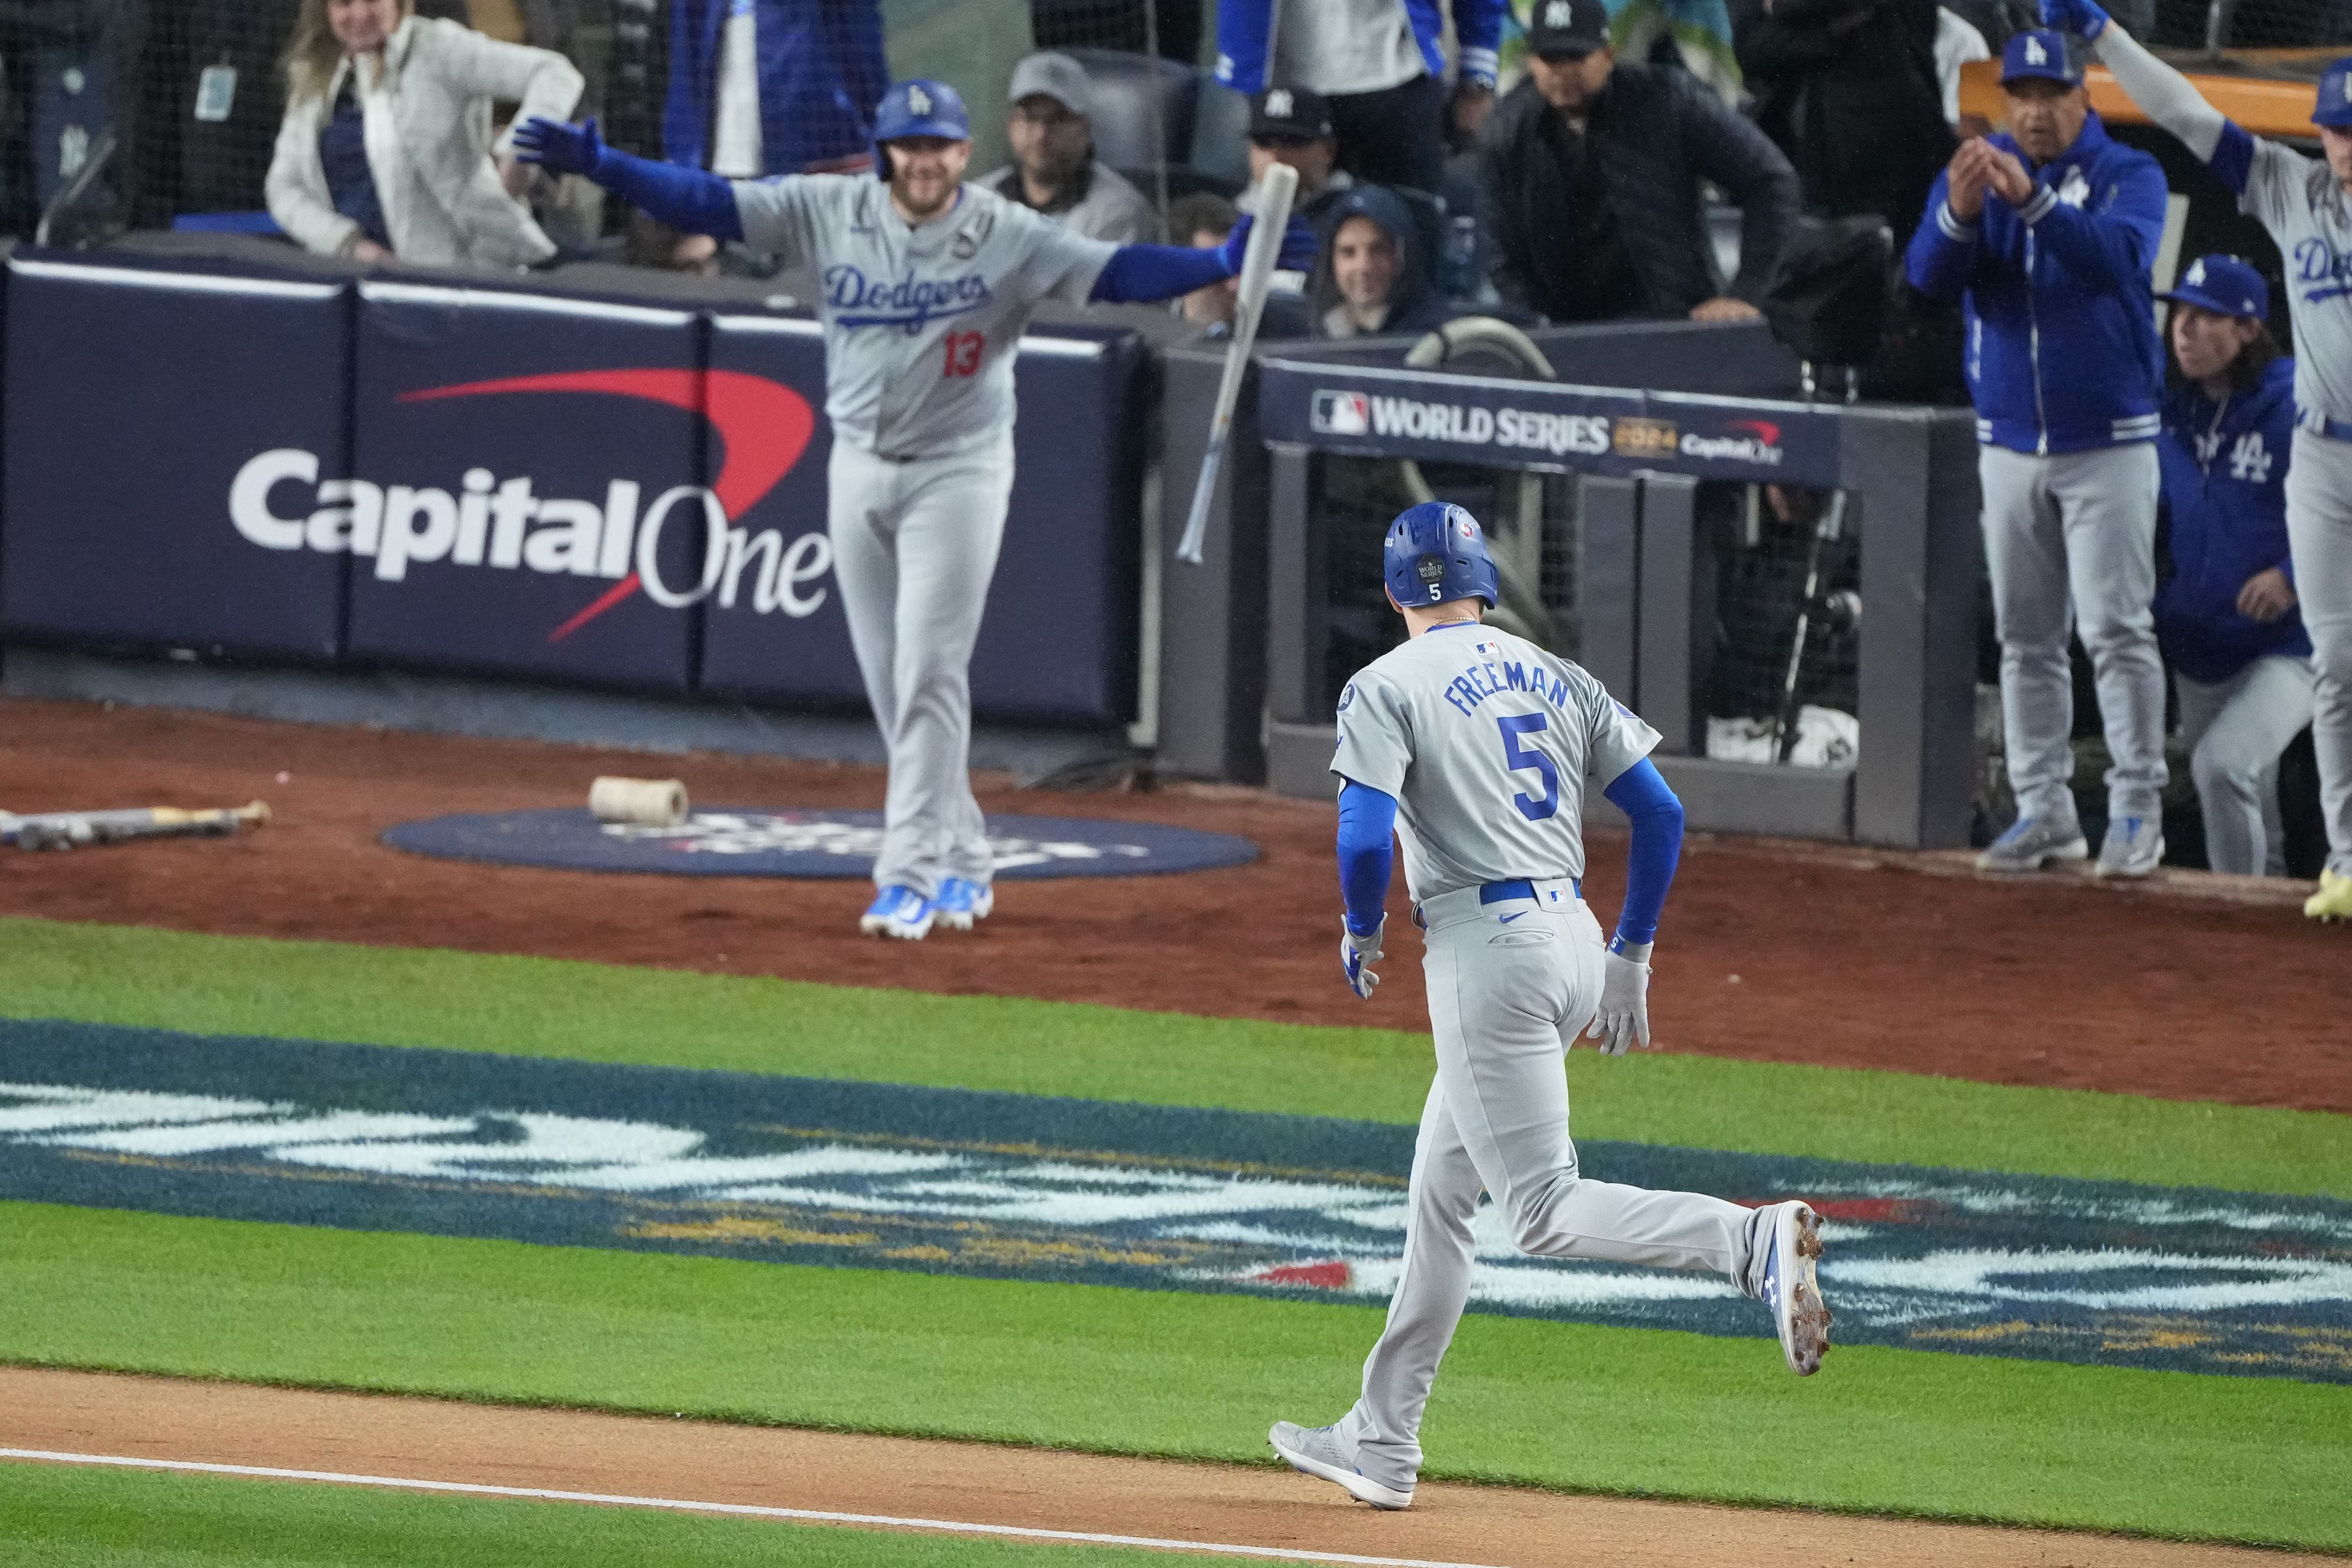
<point>1409,413</point>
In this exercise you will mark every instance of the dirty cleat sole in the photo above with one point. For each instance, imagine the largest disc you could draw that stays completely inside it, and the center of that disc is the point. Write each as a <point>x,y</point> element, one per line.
<point>1792,1290</point>
<point>1286,1442</point>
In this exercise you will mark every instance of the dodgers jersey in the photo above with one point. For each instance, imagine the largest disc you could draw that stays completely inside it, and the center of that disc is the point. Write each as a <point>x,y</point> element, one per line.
<point>920,323</point>
<point>2299,201</point>
<point>1484,740</point>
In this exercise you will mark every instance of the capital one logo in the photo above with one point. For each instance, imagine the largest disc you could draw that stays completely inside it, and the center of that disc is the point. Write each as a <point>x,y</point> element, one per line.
<point>501,525</point>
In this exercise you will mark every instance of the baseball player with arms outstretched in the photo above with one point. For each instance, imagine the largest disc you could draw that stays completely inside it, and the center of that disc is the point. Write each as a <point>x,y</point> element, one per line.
<point>928,283</point>
<point>1473,745</point>
<point>2307,204</point>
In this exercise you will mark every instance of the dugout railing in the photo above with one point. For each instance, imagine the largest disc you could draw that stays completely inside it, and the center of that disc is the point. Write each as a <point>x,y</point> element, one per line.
<point>1631,468</point>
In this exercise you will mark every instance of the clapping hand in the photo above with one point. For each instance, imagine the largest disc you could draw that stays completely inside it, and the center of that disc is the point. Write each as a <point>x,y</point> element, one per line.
<point>1978,167</point>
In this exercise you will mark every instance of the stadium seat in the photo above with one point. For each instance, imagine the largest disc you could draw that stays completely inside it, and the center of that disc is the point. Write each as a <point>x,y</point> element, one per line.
<point>1143,107</point>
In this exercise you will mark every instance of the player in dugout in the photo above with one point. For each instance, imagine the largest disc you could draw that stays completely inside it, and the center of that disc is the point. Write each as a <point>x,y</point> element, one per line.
<point>928,284</point>
<point>2307,204</point>
<point>2046,234</point>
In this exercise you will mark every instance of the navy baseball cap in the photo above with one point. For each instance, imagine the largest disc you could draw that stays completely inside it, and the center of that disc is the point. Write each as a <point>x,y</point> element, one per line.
<point>2334,105</point>
<point>2041,53</point>
<point>2223,285</point>
<point>1567,29</point>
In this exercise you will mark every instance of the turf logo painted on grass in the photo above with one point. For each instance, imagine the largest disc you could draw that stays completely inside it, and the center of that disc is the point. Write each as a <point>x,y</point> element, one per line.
<point>817,1170</point>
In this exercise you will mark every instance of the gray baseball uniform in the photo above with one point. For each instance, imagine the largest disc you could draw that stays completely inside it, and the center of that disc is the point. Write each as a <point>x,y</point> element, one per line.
<point>920,328</point>
<point>2308,213</point>
<point>1486,741</point>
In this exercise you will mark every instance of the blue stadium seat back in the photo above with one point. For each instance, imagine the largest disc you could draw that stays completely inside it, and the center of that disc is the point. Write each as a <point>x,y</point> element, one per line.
<point>1143,107</point>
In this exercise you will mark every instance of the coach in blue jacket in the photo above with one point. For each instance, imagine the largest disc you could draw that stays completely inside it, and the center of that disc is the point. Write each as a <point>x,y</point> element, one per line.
<point>2046,234</point>
<point>2227,614</point>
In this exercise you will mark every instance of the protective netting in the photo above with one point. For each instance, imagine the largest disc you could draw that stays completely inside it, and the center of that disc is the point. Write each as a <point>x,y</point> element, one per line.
<point>1782,682</point>
<point>2232,28</point>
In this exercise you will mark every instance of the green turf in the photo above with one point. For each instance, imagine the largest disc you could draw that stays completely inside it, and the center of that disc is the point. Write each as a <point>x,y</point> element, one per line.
<point>65,1517</point>
<point>1169,1373</point>
<point>530,1006</point>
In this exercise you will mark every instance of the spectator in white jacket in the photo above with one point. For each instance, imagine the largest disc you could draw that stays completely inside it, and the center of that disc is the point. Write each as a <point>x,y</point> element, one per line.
<point>385,150</point>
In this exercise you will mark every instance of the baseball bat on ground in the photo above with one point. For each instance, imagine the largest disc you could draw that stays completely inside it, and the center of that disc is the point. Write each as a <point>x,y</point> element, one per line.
<point>1275,190</point>
<point>67,829</point>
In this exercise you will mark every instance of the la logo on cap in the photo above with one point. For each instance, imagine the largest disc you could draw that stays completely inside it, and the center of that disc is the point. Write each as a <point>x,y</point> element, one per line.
<point>1555,14</point>
<point>2035,55</point>
<point>1277,103</point>
<point>2197,270</point>
<point>919,100</point>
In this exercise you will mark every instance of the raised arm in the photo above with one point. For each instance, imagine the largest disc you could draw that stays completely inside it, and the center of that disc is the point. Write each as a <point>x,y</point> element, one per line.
<point>1137,274</point>
<point>1942,256</point>
<point>691,200</point>
<point>2163,94</point>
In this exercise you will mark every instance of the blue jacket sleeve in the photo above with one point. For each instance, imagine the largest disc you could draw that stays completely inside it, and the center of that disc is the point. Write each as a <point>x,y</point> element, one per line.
<point>1479,36</point>
<point>1642,795</point>
<point>1241,29</point>
<point>1141,273</point>
<point>691,199</point>
<point>2114,245</point>
<point>1367,854</point>
<point>1943,252</point>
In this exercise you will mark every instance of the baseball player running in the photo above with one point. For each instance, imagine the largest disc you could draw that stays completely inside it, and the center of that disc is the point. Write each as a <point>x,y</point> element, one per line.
<point>928,283</point>
<point>1473,745</point>
<point>2307,204</point>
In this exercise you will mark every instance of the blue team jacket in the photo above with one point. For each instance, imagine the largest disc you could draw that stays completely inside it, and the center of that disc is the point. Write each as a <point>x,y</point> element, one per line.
<point>2225,494</point>
<point>2063,354</point>
<point>821,71</point>
<point>1241,27</point>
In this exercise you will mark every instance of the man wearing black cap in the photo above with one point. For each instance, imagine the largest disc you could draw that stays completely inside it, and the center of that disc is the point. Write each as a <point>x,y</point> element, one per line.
<point>1293,125</point>
<point>1592,169</point>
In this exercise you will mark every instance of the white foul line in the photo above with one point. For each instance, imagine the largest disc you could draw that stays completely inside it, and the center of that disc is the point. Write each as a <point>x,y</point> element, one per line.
<point>809,1516</point>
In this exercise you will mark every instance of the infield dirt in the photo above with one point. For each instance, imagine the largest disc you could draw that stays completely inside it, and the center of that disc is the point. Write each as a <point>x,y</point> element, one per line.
<point>418,1439</point>
<point>2194,989</point>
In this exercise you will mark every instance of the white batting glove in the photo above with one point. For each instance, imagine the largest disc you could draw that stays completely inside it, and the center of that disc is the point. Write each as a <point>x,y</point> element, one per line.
<point>1623,1020</point>
<point>1358,954</point>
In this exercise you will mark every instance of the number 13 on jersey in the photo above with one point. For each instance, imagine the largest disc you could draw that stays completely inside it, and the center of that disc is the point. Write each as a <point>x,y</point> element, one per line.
<point>1520,757</point>
<point>961,352</point>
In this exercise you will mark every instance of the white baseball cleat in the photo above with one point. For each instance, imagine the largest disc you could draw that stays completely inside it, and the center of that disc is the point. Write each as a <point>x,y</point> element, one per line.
<point>1321,1452</point>
<point>901,912</point>
<point>1791,1291</point>
<point>962,903</point>
<point>2134,847</point>
<point>2031,843</point>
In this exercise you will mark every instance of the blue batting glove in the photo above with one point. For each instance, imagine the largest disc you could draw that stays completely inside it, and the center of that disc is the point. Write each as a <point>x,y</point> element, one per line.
<point>559,148</point>
<point>1296,254</point>
<point>2081,17</point>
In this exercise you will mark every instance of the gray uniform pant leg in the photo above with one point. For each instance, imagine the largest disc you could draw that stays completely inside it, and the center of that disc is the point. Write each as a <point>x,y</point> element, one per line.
<point>914,546</point>
<point>2235,730</point>
<point>2319,532</point>
<point>2071,542</point>
<point>1504,1008</point>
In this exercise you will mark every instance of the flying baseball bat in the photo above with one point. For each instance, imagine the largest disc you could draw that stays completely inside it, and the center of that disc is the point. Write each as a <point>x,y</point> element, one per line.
<point>1276,189</point>
<point>66,829</point>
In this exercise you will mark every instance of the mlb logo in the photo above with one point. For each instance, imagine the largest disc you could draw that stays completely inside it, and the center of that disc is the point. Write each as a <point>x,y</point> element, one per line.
<point>1340,414</point>
<point>1488,650</point>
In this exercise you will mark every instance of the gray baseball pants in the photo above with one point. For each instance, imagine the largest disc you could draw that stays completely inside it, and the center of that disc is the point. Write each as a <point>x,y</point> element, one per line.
<point>1506,998</point>
<point>914,546</point>
<point>2071,542</point>
<point>2234,731</point>
<point>2319,534</point>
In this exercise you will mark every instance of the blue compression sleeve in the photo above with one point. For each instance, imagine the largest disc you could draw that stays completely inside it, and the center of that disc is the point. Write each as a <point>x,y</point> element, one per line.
<point>1137,273</point>
<point>1641,794</point>
<point>1367,854</point>
<point>688,199</point>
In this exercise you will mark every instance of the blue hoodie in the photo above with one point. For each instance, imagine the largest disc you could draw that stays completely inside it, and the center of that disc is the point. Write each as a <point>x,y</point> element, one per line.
<point>2225,491</point>
<point>2063,354</point>
<point>821,71</point>
<point>1242,25</point>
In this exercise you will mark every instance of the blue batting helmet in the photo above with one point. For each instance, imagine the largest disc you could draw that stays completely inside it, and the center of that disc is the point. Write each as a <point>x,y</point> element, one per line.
<point>2334,105</point>
<point>921,108</point>
<point>1435,552</point>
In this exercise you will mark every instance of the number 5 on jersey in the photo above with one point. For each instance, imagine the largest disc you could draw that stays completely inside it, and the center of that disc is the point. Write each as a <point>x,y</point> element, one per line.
<point>1519,758</point>
<point>961,351</point>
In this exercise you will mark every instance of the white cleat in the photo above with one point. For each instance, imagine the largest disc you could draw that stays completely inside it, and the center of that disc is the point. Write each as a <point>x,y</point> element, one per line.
<point>1319,1451</point>
<point>901,912</point>
<point>1790,1290</point>
<point>962,904</point>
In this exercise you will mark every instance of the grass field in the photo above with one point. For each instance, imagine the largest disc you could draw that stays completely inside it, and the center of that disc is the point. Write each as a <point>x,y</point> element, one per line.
<point>56,1516</point>
<point>1571,1406</point>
